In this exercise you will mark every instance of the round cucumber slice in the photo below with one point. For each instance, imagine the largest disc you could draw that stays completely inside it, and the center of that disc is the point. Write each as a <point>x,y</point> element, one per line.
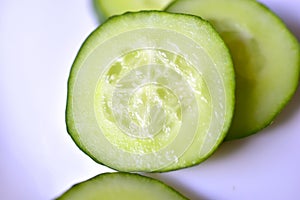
<point>120,185</point>
<point>116,7</point>
<point>265,54</point>
<point>151,91</point>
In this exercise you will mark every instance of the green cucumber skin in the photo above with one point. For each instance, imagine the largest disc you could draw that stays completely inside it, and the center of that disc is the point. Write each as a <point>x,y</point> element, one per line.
<point>237,133</point>
<point>133,177</point>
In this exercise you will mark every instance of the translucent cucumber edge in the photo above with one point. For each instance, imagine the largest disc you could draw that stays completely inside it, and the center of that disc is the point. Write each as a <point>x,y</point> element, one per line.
<point>70,127</point>
<point>230,98</point>
<point>98,11</point>
<point>289,97</point>
<point>135,176</point>
<point>294,88</point>
<point>85,49</point>
<point>101,12</point>
<point>103,15</point>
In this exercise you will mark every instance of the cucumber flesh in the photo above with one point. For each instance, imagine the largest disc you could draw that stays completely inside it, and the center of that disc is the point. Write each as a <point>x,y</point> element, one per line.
<point>151,91</point>
<point>125,186</point>
<point>108,8</point>
<point>265,55</point>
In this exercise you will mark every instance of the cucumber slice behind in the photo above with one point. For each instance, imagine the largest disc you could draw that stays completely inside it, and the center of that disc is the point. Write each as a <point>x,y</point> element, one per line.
<point>120,185</point>
<point>108,8</point>
<point>151,91</point>
<point>265,55</point>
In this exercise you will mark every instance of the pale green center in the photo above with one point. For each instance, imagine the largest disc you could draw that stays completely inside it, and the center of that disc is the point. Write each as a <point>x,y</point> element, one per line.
<point>148,108</point>
<point>142,98</point>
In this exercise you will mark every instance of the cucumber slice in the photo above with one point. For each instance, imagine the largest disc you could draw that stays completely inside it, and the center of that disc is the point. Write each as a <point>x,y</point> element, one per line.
<point>120,185</point>
<point>108,8</point>
<point>265,56</point>
<point>151,91</point>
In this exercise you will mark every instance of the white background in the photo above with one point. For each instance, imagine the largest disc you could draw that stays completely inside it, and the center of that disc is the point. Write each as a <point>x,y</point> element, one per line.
<point>39,40</point>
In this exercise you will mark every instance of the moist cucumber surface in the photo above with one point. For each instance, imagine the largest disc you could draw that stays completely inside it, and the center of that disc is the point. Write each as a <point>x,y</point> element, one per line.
<point>108,8</point>
<point>151,91</point>
<point>125,186</point>
<point>265,55</point>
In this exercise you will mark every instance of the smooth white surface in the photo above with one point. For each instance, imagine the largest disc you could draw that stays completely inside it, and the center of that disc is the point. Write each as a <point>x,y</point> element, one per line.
<point>38,43</point>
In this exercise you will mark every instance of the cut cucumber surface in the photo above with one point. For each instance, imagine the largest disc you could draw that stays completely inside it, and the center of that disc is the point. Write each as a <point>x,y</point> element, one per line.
<point>265,56</point>
<point>125,186</point>
<point>108,8</point>
<point>151,91</point>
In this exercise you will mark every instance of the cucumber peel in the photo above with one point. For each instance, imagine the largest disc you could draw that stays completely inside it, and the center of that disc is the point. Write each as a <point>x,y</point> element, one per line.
<point>151,91</point>
<point>266,58</point>
<point>119,185</point>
